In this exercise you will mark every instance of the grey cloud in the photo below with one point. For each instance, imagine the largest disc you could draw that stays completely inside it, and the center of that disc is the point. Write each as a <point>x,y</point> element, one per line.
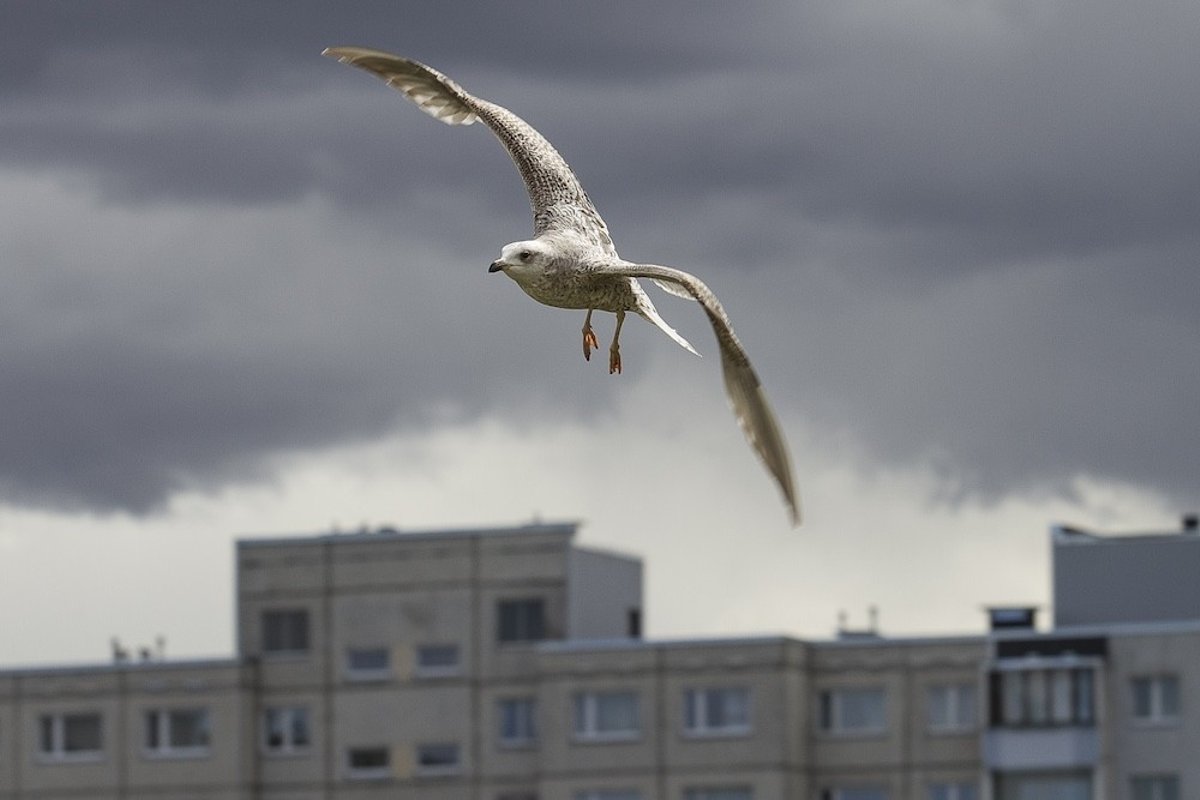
<point>966,234</point>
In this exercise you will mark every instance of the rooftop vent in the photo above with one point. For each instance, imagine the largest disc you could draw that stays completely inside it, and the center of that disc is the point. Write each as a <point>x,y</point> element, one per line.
<point>871,632</point>
<point>1009,618</point>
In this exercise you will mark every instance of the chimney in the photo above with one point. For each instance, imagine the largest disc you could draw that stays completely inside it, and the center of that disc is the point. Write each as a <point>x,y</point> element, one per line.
<point>1012,617</point>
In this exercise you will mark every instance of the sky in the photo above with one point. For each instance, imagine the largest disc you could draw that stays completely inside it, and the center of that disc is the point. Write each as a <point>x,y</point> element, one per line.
<point>243,292</point>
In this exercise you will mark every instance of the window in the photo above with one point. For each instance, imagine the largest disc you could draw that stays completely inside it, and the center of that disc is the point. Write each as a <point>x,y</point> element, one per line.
<point>1043,697</point>
<point>285,630</point>
<point>440,758</point>
<point>952,707</point>
<point>716,711</point>
<point>962,790</point>
<point>437,659</point>
<point>286,730</point>
<point>856,711</point>
<point>178,732</point>
<point>517,795</point>
<point>1156,698</point>
<point>518,721</point>
<point>719,793</point>
<point>71,736</point>
<point>521,620</point>
<point>608,794</point>
<point>368,663</point>
<point>1155,787</point>
<point>368,762</point>
<point>855,793</point>
<point>606,715</point>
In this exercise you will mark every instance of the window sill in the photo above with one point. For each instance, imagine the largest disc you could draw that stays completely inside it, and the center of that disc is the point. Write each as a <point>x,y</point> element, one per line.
<point>1155,723</point>
<point>952,731</point>
<point>607,738</point>
<point>705,734</point>
<point>438,772</point>
<point>508,745</point>
<point>374,676</point>
<point>89,757</point>
<point>180,754</point>
<point>380,774</point>
<point>281,753</point>
<point>853,735</point>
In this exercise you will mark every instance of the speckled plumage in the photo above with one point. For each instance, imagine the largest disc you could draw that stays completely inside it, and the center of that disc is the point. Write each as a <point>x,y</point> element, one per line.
<point>572,262</point>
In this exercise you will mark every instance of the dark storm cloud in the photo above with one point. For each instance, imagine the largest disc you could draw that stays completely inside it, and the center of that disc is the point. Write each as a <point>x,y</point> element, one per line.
<point>970,229</point>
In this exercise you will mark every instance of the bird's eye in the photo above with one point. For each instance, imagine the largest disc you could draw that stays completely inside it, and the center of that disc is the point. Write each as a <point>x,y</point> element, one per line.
<point>524,255</point>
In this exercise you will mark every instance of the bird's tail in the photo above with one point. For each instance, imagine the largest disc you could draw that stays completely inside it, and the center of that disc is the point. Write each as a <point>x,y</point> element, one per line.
<point>650,314</point>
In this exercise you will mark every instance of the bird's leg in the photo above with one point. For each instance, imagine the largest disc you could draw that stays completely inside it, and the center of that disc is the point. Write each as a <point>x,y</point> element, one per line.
<point>589,337</point>
<point>614,351</point>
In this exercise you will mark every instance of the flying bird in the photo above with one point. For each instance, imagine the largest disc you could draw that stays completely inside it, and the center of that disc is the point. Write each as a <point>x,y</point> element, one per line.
<point>571,261</point>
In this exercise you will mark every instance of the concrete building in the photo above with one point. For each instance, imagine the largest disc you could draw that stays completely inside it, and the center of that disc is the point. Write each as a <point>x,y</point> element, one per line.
<point>508,664</point>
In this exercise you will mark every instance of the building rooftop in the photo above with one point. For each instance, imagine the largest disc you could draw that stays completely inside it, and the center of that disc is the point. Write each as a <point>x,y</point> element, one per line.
<point>1188,531</point>
<point>387,532</point>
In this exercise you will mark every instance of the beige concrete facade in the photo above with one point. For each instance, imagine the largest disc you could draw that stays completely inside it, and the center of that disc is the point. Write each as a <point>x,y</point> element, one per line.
<point>507,664</point>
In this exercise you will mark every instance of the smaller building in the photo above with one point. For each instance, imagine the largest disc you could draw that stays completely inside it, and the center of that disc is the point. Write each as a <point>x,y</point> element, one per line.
<point>1102,580</point>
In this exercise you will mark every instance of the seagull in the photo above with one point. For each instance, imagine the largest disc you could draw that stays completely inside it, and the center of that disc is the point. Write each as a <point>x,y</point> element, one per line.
<point>571,261</point>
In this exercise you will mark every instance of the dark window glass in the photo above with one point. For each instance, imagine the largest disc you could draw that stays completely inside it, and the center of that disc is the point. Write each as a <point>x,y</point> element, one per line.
<point>521,620</point>
<point>285,630</point>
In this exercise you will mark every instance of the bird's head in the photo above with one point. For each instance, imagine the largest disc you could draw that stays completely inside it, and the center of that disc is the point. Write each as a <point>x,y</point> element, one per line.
<point>522,259</point>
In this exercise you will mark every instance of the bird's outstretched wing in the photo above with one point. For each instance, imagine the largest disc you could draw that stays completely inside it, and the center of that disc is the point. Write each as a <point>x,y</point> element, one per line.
<point>745,393</point>
<point>555,194</point>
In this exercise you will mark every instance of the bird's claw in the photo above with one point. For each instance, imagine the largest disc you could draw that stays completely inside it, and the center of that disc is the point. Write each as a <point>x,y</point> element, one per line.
<point>589,341</point>
<point>614,361</point>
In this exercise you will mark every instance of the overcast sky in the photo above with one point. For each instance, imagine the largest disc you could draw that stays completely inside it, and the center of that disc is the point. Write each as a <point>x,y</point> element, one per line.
<point>243,290</point>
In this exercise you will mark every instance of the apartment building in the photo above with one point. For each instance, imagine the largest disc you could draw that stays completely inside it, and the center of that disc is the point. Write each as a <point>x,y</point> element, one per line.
<point>508,664</point>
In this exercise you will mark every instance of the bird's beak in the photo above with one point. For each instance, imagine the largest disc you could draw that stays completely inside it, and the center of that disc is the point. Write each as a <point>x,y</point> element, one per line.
<point>496,266</point>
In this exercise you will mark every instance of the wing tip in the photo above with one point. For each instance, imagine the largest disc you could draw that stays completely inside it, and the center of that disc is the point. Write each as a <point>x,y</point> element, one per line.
<point>795,515</point>
<point>342,54</point>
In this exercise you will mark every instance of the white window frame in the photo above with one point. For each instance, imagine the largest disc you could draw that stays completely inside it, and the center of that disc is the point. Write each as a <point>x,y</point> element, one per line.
<point>585,728</point>
<point>58,736</point>
<point>369,773</point>
<point>953,790</point>
<point>523,739</point>
<point>288,747</point>
<point>452,768</point>
<point>367,674</point>
<point>961,706</point>
<point>438,670</point>
<point>1046,695</point>
<point>699,701</point>
<point>163,719</point>
<point>837,698</point>
<point>1158,715</point>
